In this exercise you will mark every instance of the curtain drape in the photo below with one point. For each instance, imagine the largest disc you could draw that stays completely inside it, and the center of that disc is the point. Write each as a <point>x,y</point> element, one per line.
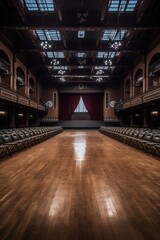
<point>69,102</point>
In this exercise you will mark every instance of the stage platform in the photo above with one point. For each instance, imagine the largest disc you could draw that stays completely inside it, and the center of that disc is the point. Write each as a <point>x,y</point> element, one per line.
<point>81,124</point>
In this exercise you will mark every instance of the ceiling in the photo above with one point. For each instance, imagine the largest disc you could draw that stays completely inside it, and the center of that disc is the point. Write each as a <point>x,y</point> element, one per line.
<point>66,41</point>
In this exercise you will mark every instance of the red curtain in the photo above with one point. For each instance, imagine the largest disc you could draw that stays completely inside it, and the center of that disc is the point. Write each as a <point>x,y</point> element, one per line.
<point>73,102</point>
<point>69,102</point>
<point>87,103</point>
<point>67,105</point>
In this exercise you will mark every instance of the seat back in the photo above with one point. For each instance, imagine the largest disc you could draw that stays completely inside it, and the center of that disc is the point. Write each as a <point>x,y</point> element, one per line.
<point>7,138</point>
<point>15,136</point>
<point>148,136</point>
<point>141,135</point>
<point>156,138</point>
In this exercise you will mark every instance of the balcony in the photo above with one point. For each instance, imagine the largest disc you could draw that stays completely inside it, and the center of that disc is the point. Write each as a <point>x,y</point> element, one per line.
<point>4,68</point>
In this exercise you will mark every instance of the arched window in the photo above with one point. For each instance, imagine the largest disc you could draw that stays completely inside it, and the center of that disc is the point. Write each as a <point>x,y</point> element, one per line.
<point>32,89</point>
<point>127,89</point>
<point>154,71</point>
<point>20,81</point>
<point>5,70</point>
<point>138,82</point>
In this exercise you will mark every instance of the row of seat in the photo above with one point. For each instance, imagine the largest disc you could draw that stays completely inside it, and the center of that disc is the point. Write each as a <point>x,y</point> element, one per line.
<point>145,139</point>
<point>13,140</point>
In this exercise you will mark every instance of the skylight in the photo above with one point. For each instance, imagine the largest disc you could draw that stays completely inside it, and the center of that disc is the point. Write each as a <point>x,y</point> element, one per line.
<point>60,67</point>
<point>114,35</point>
<point>49,35</point>
<point>55,54</point>
<point>106,54</point>
<point>81,106</point>
<point>40,5</point>
<point>122,5</point>
<point>80,67</point>
<point>101,67</point>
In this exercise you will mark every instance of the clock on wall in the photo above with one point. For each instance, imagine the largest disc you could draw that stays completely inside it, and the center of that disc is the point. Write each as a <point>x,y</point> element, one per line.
<point>80,86</point>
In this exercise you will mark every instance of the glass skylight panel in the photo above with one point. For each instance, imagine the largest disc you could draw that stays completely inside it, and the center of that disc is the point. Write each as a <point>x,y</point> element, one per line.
<point>40,5</point>
<point>55,54</point>
<point>50,55</point>
<point>131,5</point>
<point>106,54</point>
<point>51,35</point>
<point>122,5</point>
<point>60,67</point>
<point>101,67</point>
<point>59,54</point>
<point>80,67</point>
<point>113,34</point>
<point>111,54</point>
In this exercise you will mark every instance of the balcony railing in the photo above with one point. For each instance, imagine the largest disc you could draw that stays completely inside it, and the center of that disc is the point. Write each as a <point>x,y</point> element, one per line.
<point>5,85</point>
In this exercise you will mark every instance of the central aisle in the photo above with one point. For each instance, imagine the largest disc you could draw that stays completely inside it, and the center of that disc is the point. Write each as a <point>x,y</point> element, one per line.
<point>80,185</point>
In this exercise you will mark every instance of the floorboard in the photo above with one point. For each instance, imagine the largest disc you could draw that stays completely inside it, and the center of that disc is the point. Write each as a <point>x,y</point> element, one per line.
<point>80,185</point>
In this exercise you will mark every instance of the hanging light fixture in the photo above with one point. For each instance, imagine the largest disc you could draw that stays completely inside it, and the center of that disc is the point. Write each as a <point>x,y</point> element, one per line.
<point>54,62</point>
<point>108,62</point>
<point>45,45</point>
<point>62,79</point>
<point>115,45</point>
<point>99,79</point>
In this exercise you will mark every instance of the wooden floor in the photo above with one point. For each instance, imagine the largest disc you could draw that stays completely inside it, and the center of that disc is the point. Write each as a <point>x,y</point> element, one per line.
<point>80,185</point>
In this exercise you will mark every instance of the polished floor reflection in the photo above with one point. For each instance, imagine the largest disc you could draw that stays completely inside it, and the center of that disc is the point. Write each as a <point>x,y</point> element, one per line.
<point>80,185</point>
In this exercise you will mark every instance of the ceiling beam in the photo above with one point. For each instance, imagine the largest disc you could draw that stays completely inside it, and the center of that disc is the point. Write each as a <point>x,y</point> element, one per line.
<point>125,50</point>
<point>59,8</point>
<point>104,4</point>
<point>49,21</point>
<point>82,76</point>
<point>25,46</point>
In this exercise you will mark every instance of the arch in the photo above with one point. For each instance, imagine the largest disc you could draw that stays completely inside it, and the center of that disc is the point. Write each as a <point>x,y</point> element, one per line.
<point>127,88</point>
<point>4,63</point>
<point>138,78</point>
<point>20,81</point>
<point>31,85</point>
<point>20,77</point>
<point>138,82</point>
<point>154,71</point>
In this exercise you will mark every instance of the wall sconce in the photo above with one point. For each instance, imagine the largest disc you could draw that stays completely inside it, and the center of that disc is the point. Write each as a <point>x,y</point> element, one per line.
<point>20,114</point>
<point>2,113</point>
<point>155,113</point>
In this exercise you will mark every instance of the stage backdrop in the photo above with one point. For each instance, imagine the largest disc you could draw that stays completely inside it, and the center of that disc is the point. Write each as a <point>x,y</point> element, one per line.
<point>69,102</point>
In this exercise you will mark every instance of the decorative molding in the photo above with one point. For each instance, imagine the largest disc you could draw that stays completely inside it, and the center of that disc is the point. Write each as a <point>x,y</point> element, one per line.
<point>23,100</point>
<point>7,95</point>
<point>136,101</point>
<point>146,97</point>
<point>40,107</point>
<point>33,104</point>
<point>153,95</point>
<point>54,100</point>
<point>126,105</point>
<point>107,100</point>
